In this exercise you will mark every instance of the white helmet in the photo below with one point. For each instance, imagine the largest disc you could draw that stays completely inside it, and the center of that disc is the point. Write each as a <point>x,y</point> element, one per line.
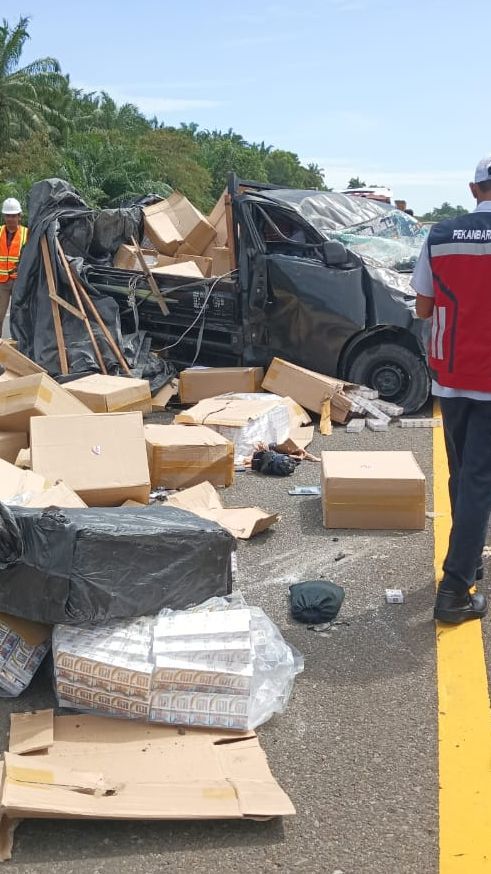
<point>11,206</point>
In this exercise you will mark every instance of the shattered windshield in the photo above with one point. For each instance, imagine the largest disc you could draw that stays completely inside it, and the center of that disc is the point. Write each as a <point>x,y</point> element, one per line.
<point>377,231</point>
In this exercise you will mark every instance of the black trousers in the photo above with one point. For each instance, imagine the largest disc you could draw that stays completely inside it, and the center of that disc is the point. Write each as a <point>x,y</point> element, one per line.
<point>467,429</point>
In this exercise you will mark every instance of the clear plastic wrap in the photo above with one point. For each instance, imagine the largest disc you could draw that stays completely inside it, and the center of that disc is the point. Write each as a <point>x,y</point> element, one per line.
<point>23,646</point>
<point>221,664</point>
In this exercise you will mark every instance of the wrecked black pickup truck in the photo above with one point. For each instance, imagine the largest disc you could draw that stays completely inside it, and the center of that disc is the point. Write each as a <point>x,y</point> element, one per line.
<point>299,289</point>
<point>297,293</point>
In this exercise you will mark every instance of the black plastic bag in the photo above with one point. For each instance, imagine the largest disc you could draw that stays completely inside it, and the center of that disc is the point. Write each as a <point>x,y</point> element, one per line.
<point>98,564</point>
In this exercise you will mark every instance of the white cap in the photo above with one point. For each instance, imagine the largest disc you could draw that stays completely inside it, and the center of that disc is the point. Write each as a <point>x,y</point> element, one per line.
<point>483,170</point>
<point>11,206</point>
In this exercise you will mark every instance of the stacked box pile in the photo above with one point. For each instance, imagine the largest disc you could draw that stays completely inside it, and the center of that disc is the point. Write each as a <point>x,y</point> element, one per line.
<point>213,666</point>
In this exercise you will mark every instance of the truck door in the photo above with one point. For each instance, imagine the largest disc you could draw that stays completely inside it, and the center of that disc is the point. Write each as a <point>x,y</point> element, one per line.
<point>303,307</point>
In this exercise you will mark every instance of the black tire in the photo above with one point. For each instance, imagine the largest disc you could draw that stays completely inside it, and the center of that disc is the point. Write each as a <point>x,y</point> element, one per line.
<point>397,373</point>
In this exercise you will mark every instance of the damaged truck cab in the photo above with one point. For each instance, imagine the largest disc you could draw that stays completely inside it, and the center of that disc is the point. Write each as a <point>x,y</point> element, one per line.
<point>312,300</point>
<point>297,290</point>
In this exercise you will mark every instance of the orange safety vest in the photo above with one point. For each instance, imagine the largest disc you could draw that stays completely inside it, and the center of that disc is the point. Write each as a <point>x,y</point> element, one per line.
<point>10,255</point>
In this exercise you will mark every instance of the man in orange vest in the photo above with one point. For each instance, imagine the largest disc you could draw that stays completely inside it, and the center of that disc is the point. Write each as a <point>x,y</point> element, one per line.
<point>13,237</point>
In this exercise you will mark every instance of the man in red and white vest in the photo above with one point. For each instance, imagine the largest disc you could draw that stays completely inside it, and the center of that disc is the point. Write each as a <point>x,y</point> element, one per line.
<point>452,279</point>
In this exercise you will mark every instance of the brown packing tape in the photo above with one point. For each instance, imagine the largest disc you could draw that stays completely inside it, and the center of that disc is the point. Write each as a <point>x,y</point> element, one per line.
<point>375,505</point>
<point>38,391</point>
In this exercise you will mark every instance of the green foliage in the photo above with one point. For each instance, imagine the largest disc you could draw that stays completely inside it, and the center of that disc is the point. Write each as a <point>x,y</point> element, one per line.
<point>110,152</point>
<point>446,210</point>
<point>356,182</point>
<point>27,94</point>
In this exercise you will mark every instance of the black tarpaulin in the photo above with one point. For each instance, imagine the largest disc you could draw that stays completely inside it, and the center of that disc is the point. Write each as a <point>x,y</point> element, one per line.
<point>57,211</point>
<point>93,565</point>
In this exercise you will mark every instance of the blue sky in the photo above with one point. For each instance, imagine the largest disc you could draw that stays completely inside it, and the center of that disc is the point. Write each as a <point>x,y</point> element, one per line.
<point>392,90</point>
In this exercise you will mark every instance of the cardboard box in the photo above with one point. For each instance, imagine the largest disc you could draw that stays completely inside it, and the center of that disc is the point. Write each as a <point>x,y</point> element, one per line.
<point>174,221</point>
<point>221,260</point>
<point>14,363</point>
<point>163,396</point>
<point>218,219</point>
<point>101,768</point>
<point>127,259</point>
<point>179,457</point>
<point>112,394</point>
<point>372,490</point>
<point>59,495</point>
<point>11,443</point>
<point>198,383</point>
<point>37,395</point>
<point>15,482</point>
<point>187,268</point>
<point>103,458</point>
<point>242,522</point>
<point>204,264</point>
<point>27,489</point>
<point>309,388</point>
<point>23,459</point>
<point>246,420</point>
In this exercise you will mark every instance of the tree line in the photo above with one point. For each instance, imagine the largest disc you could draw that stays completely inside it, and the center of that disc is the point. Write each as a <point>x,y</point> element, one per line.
<point>111,153</point>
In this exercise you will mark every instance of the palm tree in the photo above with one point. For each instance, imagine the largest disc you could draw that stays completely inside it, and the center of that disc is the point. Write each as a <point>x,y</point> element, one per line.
<point>25,92</point>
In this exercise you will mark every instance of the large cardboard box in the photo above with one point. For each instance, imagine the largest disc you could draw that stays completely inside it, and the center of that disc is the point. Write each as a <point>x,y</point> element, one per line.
<point>127,259</point>
<point>11,442</point>
<point>174,221</point>
<point>37,395</point>
<point>179,456</point>
<point>372,490</point>
<point>198,383</point>
<point>103,768</point>
<point>308,388</point>
<point>103,458</point>
<point>112,394</point>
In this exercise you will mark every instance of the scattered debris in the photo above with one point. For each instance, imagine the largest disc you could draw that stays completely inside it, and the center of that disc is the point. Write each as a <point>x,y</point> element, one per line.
<point>394,596</point>
<point>79,750</point>
<point>377,425</point>
<point>420,423</point>
<point>316,601</point>
<point>355,426</point>
<point>305,490</point>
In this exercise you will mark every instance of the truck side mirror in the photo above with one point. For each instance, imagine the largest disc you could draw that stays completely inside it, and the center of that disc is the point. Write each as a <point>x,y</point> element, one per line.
<point>334,253</point>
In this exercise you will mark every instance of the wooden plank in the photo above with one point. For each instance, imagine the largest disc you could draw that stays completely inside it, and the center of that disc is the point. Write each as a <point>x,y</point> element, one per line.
<point>60,340</point>
<point>230,231</point>
<point>151,281</point>
<point>76,295</point>
<point>67,306</point>
<point>107,334</point>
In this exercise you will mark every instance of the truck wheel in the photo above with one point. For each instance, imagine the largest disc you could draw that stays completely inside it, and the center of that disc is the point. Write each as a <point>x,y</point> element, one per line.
<point>397,373</point>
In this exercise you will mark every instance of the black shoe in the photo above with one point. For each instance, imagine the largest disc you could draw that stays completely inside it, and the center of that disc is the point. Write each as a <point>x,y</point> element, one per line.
<point>480,573</point>
<point>453,608</point>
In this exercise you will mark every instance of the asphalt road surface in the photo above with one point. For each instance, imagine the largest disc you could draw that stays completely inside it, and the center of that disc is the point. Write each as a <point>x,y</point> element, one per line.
<point>357,748</point>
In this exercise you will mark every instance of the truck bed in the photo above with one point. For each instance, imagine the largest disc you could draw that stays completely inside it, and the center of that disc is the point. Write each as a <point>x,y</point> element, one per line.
<point>222,335</point>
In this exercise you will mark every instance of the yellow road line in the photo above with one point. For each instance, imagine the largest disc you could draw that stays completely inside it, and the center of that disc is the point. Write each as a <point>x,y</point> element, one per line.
<point>464,717</point>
